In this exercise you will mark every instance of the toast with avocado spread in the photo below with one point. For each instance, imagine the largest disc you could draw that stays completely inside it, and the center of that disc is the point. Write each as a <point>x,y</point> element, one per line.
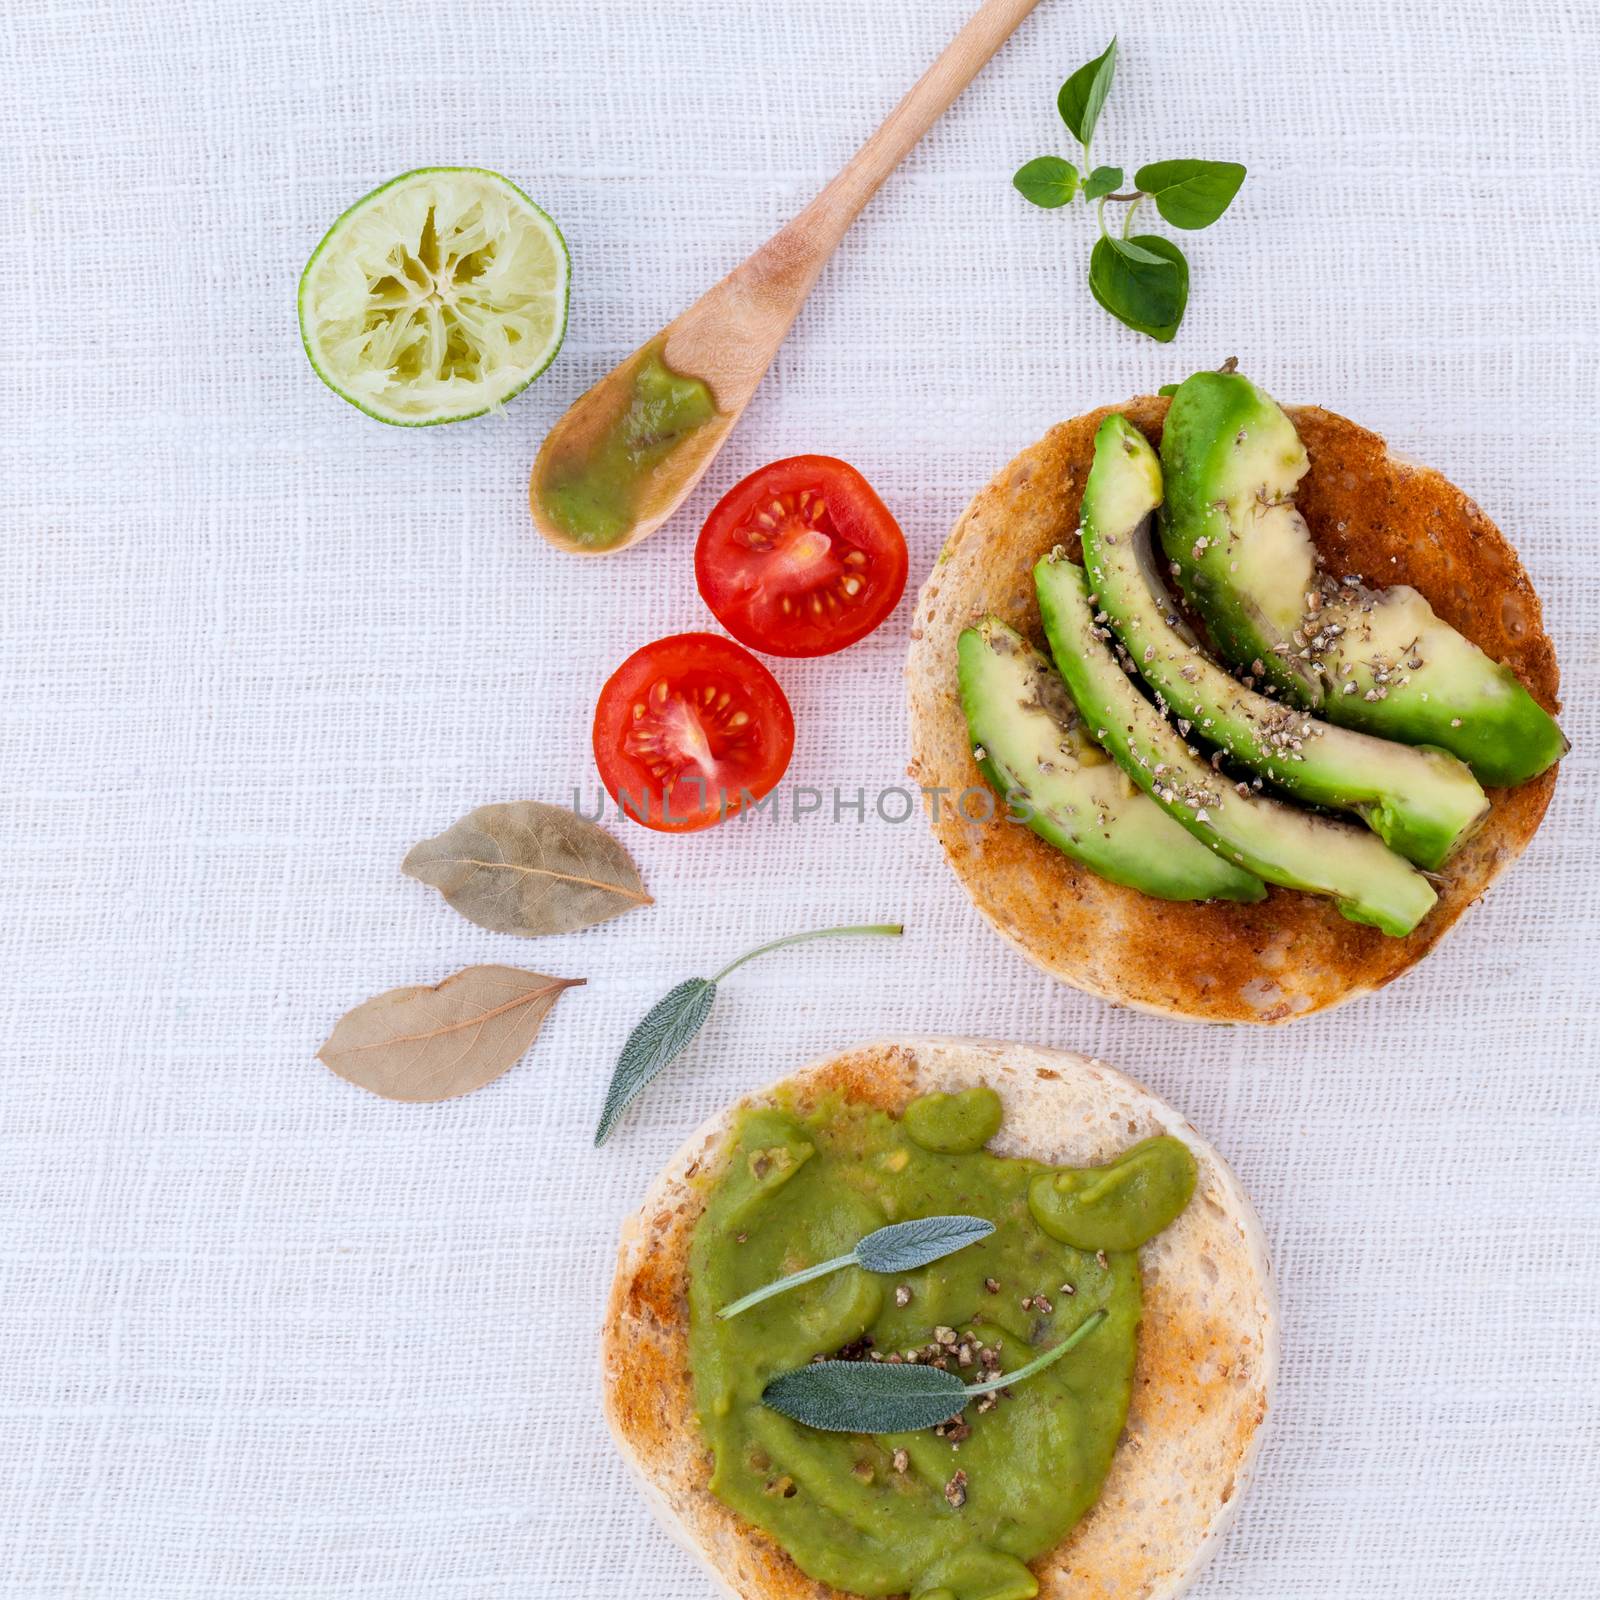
<point>1112,1470</point>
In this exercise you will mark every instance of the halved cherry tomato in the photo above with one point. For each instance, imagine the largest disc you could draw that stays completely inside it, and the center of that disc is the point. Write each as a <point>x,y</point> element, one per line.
<point>688,730</point>
<point>801,558</point>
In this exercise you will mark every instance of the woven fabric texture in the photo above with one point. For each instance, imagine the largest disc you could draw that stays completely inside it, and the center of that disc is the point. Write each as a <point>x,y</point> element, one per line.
<point>262,1334</point>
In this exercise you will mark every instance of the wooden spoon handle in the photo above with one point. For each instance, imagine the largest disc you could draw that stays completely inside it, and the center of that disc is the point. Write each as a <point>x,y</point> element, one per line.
<point>831,213</point>
<point>729,335</point>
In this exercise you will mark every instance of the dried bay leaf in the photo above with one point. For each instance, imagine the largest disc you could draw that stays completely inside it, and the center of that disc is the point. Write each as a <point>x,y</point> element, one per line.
<point>529,869</point>
<point>434,1043</point>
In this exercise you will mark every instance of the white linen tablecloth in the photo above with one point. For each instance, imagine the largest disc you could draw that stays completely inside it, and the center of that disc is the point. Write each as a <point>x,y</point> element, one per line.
<point>262,1334</point>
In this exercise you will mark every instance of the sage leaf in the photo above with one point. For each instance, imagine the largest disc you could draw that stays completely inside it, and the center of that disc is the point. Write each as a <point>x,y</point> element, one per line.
<point>678,1016</point>
<point>880,1397</point>
<point>1047,181</point>
<point>903,1246</point>
<point>434,1043</point>
<point>529,869</point>
<point>897,1248</point>
<point>661,1034</point>
<point>866,1396</point>
<point>1083,96</point>
<point>1149,300</point>
<point>1101,182</point>
<point>1191,194</point>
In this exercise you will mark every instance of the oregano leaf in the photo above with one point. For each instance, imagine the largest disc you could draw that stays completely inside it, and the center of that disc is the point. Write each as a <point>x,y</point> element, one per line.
<point>1083,96</point>
<point>1191,194</point>
<point>1101,182</point>
<point>1047,181</point>
<point>1150,300</point>
<point>1143,281</point>
<point>1132,250</point>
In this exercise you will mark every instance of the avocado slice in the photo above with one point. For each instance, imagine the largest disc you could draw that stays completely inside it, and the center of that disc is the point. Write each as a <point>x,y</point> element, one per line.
<point>1421,802</point>
<point>1030,744</point>
<point>1374,659</point>
<point>1278,842</point>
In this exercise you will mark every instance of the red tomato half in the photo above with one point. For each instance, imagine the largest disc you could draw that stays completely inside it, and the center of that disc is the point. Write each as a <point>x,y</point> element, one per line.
<point>688,729</point>
<point>801,558</point>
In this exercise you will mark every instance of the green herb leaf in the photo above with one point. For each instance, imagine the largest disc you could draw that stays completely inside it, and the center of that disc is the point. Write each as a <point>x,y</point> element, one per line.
<point>1191,194</point>
<point>1083,95</point>
<point>661,1034</point>
<point>866,1396</point>
<point>1142,280</point>
<point>679,1015</point>
<point>880,1397</point>
<point>1148,299</point>
<point>897,1248</point>
<point>1047,181</point>
<point>903,1246</point>
<point>1102,181</point>
<point>1132,250</point>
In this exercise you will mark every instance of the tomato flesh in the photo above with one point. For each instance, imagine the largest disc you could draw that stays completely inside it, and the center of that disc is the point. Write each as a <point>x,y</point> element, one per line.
<point>690,729</point>
<point>801,558</point>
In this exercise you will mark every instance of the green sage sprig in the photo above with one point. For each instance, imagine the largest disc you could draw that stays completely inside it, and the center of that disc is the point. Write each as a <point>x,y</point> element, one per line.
<point>668,1026</point>
<point>900,1247</point>
<point>1142,279</point>
<point>885,1397</point>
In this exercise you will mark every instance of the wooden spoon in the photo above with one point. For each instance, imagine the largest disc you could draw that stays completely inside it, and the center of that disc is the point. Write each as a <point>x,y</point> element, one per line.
<point>728,337</point>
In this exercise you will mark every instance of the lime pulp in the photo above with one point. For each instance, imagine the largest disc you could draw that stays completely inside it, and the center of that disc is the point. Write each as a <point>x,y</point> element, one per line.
<point>436,297</point>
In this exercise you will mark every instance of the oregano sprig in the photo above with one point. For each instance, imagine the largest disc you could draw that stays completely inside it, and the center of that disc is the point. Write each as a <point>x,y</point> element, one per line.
<point>1142,279</point>
<point>667,1027</point>
<point>900,1247</point>
<point>885,1397</point>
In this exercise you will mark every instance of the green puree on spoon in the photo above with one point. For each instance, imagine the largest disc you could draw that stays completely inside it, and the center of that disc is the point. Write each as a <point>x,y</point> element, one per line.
<point>955,1512</point>
<point>598,488</point>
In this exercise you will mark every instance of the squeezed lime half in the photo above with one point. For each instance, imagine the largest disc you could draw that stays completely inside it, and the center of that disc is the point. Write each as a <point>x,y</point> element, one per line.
<point>435,298</point>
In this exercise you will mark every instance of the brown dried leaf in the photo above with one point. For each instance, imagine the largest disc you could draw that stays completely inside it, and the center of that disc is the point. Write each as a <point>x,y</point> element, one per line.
<point>440,1042</point>
<point>530,869</point>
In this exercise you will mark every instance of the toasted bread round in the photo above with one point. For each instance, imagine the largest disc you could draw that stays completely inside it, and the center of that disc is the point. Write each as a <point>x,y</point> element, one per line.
<point>1292,954</point>
<point>1208,1345</point>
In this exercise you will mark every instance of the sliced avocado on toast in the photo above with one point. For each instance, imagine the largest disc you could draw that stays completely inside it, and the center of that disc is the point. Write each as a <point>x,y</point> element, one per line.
<point>1393,668</point>
<point>1277,842</point>
<point>1421,802</point>
<point>1374,659</point>
<point>1031,745</point>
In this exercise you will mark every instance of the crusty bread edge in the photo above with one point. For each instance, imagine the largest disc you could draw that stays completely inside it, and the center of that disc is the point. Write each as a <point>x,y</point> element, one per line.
<point>939,1060</point>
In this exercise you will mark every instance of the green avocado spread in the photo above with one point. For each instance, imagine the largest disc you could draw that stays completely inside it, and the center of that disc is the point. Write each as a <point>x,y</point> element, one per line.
<point>953,1513</point>
<point>597,496</point>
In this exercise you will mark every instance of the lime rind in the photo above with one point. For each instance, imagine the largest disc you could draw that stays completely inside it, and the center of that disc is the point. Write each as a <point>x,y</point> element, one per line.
<point>435,298</point>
